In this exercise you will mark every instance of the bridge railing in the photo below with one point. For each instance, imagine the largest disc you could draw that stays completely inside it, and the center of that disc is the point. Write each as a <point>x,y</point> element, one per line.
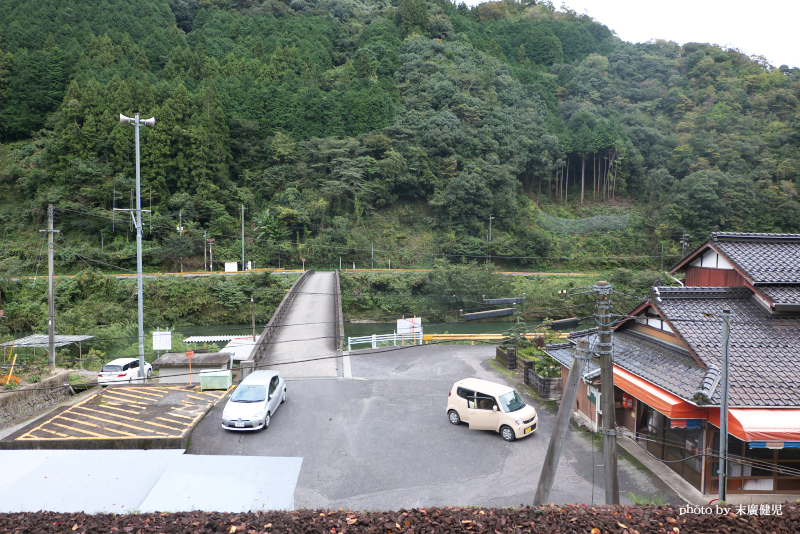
<point>384,340</point>
<point>261,349</point>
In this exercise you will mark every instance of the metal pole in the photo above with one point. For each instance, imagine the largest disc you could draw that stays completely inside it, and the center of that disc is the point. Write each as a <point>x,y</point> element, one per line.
<point>562,423</point>
<point>372,248</point>
<point>51,309</point>
<point>603,314</point>
<point>243,237</point>
<point>253,316</point>
<point>139,292</point>
<point>180,231</point>
<point>723,408</point>
<point>662,256</point>
<point>205,256</point>
<point>211,255</point>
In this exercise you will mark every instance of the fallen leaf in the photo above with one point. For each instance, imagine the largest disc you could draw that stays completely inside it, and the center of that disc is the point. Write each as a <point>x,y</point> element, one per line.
<point>268,525</point>
<point>573,519</point>
<point>595,530</point>
<point>75,527</point>
<point>232,530</point>
<point>352,521</point>
<point>621,525</point>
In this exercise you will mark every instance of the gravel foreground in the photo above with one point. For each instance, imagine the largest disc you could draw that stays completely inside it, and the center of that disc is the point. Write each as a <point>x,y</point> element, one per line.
<point>566,519</point>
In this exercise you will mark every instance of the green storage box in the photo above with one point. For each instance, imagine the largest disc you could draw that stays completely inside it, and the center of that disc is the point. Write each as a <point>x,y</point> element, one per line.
<point>215,380</point>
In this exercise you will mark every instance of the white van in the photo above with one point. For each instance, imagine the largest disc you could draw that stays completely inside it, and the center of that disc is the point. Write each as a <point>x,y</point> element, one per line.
<point>489,406</point>
<point>254,401</point>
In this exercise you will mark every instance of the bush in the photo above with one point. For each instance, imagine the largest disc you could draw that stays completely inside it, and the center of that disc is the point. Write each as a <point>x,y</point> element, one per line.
<point>34,379</point>
<point>7,381</point>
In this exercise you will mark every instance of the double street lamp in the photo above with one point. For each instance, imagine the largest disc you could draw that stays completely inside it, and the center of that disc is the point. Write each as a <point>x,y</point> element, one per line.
<point>137,221</point>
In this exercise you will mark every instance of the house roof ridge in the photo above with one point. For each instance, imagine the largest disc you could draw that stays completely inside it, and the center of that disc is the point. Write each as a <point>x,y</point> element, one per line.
<point>702,292</point>
<point>747,236</point>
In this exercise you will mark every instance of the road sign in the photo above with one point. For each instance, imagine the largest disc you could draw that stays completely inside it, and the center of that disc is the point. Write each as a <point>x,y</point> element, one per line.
<point>189,353</point>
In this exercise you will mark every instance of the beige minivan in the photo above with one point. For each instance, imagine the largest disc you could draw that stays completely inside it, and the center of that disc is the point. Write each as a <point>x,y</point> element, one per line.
<point>489,406</point>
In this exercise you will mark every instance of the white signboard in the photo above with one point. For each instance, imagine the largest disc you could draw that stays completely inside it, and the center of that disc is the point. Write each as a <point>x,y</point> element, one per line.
<point>409,326</point>
<point>231,266</point>
<point>162,340</point>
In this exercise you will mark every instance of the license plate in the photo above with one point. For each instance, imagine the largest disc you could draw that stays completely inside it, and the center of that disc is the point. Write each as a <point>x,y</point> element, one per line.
<point>238,424</point>
<point>528,430</point>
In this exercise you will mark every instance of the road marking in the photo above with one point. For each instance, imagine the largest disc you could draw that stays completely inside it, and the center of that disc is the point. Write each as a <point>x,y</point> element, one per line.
<point>87,399</point>
<point>129,426</point>
<point>129,395</point>
<point>96,426</point>
<point>126,412</point>
<point>80,430</point>
<point>179,415</point>
<point>171,421</point>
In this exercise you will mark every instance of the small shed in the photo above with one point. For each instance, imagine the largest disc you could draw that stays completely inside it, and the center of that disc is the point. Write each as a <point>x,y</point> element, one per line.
<point>173,367</point>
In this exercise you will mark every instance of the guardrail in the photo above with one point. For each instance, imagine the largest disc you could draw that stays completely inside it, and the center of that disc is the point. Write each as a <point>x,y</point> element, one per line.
<point>338,327</point>
<point>374,339</point>
<point>263,344</point>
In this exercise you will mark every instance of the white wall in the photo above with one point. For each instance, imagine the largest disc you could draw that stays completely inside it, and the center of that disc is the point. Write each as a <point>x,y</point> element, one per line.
<point>712,260</point>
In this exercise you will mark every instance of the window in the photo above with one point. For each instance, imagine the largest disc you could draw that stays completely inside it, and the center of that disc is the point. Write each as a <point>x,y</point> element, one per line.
<point>112,369</point>
<point>134,364</point>
<point>126,367</point>
<point>249,394</point>
<point>481,401</point>
<point>465,393</point>
<point>273,385</point>
<point>511,402</point>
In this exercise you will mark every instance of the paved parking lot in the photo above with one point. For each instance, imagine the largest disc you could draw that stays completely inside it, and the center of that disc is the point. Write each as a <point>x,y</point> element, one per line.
<point>123,413</point>
<point>382,440</point>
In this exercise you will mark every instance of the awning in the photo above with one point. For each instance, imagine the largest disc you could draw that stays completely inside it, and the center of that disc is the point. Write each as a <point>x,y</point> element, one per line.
<point>655,397</point>
<point>761,424</point>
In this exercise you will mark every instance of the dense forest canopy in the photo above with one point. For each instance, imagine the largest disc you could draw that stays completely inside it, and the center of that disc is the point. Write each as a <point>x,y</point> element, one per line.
<point>341,123</point>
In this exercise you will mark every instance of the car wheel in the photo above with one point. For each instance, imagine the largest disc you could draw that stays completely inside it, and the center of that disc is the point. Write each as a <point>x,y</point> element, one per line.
<point>507,433</point>
<point>454,418</point>
<point>283,399</point>
<point>266,421</point>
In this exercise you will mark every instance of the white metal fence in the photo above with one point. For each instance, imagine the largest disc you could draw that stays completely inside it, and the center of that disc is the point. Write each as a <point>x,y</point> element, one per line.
<point>385,339</point>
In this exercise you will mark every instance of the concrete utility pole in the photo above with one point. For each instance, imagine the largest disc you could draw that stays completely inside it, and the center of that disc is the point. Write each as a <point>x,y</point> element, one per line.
<point>243,237</point>
<point>205,254</point>
<point>490,235</point>
<point>723,407</point>
<point>605,352</point>
<point>372,248</point>
<point>562,423</point>
<point>180,231</point>
<point>51,309</point>
<point>137,217</point>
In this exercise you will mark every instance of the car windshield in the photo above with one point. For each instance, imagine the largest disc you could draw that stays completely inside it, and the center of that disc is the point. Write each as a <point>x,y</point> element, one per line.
<point>249,394</point>
<point>112,369</point>
<point>511,402</point>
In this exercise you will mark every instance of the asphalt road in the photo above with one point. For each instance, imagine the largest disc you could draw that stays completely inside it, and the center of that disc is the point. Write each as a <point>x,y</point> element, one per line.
<point>382,440</point>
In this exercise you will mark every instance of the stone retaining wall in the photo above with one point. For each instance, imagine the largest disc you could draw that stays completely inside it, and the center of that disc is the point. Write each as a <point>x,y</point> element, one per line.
<point>20,403</point>
<point>547,388</point>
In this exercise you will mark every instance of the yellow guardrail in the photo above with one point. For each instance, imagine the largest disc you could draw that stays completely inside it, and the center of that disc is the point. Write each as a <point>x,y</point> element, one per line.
<point>427,338</point>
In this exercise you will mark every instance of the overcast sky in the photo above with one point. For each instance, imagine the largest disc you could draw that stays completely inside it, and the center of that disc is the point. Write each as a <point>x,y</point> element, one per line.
<point>768,29</point>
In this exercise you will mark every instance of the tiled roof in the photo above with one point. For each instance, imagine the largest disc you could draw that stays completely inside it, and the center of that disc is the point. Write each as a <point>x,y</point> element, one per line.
<point>781,294</point>
<point>671,369</point>
<point>765,352</point>
<point>765,258</point>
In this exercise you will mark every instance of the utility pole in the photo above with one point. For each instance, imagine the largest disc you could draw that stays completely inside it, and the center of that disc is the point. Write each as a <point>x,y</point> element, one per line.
<point>605,353</point>
<point>180,231</point>
<point>243,237</point>
<point>372,248</point>
<point>137,216</point>
<point>723,407</point>
<point>211,253</point>
<point>205,256</point>
<point>662,256</point>
<point>51,309</point>
<point>253,316</point>
<point>562,423</point>
<point>490,237</point>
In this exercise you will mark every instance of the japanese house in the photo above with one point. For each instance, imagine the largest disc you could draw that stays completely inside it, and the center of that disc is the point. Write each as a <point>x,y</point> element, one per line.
<point>667,361</point>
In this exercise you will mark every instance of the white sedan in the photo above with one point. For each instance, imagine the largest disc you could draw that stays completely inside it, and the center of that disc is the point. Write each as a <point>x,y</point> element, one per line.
<point>254,401</point>
<point>123,370</point>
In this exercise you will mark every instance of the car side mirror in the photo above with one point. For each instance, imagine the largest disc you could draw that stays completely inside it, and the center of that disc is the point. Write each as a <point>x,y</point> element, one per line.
<point>494,408</point>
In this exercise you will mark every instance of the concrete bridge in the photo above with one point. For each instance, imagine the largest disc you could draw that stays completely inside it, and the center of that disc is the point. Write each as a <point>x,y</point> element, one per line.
<point>302,338</point>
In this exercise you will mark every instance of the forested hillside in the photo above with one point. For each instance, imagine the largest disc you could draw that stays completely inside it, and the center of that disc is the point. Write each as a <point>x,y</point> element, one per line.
<point>403,126</point>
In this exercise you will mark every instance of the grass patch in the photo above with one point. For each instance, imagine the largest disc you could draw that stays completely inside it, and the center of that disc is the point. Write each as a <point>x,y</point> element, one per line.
<point>644,500</point>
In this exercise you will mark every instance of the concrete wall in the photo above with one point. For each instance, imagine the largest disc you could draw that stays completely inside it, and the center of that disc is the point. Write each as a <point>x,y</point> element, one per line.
<point>21,403</point>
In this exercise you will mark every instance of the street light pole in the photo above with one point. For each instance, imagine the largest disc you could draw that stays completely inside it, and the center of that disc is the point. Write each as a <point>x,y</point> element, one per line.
<point>137,215</point>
